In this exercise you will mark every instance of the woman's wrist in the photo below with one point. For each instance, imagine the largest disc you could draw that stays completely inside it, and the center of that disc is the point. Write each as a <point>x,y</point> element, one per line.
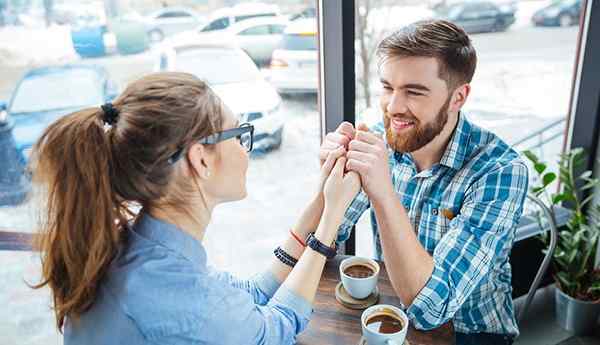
<point>330,222</point>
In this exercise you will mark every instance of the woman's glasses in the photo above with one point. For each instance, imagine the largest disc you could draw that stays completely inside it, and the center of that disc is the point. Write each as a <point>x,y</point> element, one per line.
<point>244,133</point>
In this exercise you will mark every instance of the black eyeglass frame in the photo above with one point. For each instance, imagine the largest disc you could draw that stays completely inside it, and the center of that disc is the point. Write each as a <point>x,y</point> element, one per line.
<point>218,137</point>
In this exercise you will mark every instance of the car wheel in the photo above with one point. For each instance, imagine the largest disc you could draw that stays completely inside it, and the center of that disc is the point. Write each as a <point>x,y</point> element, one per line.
<point>156,36</point>
<point>565,20</point>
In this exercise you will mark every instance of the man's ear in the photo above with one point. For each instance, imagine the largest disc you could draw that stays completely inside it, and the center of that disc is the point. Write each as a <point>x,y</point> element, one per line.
<point>459,97</point>
<point>200,163</point>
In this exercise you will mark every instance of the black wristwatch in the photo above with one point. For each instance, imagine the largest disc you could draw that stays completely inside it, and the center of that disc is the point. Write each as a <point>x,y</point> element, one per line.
<point>319,247</point>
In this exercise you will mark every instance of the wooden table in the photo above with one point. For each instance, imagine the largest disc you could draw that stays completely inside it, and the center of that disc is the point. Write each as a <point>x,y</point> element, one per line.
<point>334,324</point>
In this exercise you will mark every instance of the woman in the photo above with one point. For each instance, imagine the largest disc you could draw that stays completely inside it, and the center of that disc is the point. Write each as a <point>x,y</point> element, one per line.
<point>169,146</point>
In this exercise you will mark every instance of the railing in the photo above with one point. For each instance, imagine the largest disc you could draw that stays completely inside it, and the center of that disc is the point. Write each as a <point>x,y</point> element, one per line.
<point>542,136</point>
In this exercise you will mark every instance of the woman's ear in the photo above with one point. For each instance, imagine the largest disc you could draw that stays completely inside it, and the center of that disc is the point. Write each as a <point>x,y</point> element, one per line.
<point>200,161</point>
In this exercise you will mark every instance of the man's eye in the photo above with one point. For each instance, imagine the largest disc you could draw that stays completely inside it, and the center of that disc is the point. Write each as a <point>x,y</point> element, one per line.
<point>387,87</point>
<point>413,93</point>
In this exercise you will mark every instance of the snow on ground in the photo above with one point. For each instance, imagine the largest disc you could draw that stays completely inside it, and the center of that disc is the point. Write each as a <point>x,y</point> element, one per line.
<point>26,46</point>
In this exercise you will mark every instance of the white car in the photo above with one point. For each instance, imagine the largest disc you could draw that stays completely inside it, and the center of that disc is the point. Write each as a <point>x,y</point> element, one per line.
<point>258,37</point>
<point>171,20</point>
<point>238,82</point>
<point>224,17</point>
<point>294,64</point>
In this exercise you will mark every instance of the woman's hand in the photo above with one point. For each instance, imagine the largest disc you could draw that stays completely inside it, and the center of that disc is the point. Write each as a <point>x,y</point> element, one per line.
<point>340,188</point>
<point>327,166</point>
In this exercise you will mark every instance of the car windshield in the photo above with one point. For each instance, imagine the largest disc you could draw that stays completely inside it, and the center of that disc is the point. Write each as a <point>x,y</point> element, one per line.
<point>70,88</point>
<point>218,66</point>
<point>299,42</point>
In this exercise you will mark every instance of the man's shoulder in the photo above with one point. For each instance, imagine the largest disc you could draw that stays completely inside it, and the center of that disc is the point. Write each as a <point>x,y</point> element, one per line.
<point>490,153</point>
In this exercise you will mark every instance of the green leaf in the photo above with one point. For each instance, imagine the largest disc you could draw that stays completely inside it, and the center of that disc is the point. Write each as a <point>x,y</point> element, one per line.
<point>558,198</point>
<point>537,190</point>
<point>585,174</point>
<point>549,178</point>
<point>531,156</point>
<point>539,167</point>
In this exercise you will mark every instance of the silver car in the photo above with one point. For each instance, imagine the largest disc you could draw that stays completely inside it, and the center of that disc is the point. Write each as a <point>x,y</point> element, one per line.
<point>258,37</point>
<point>238,82</point>
<point>171,20</point>
<point>294,63</point>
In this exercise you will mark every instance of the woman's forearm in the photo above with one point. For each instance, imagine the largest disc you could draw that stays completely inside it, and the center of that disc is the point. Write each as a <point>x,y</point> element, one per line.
<point>307,223</point>
<point>304,278</point>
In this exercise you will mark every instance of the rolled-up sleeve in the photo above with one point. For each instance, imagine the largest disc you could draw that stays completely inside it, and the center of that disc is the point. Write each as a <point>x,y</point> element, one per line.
<point>261,287</point>
<point>478,236</point>
<point>217,312</point>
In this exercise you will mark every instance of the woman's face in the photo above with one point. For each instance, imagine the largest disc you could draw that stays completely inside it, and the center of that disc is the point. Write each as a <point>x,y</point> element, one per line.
<point>227,163</point>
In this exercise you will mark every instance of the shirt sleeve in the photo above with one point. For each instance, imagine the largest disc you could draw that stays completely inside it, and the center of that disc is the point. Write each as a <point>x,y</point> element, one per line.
<point>480,235</point>
<point>356,209</point>
<point>216,312</point>
<point>261,287</point>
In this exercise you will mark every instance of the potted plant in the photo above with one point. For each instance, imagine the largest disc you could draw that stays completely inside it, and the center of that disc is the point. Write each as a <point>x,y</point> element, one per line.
<point>577,279</point>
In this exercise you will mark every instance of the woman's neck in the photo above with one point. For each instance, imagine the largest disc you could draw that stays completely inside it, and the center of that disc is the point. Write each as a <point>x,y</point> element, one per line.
<point>192,222</point>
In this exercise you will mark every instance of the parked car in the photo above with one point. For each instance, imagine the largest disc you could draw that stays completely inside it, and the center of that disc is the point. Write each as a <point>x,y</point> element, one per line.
<point>235,78</point>
<point>258,37</point>
<point>309,12</point>
<point>558,13</point>
<point>48,93</point>
<point>478,16</point>
<point>171,20</point>
<point>294,63</point>
<point>222,18</point>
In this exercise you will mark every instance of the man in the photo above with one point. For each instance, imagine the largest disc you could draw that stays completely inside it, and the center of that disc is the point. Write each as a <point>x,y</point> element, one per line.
<point>445,195</point>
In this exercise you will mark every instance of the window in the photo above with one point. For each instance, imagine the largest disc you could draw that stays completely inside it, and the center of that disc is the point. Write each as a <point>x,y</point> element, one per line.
<point>276,29</point>
<point>280,101</point>
<point>217,24</point>
<point>257,15</point>
<point>179,14</point>
<point>257,30</point>
<point>521,88</point>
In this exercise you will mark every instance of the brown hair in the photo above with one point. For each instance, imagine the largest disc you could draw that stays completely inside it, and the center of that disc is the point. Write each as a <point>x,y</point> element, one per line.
<point>92,174</point>
<point>440,39</point>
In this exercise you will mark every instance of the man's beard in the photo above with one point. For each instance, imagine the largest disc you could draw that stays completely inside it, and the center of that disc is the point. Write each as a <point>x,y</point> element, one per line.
<point>419,135</point>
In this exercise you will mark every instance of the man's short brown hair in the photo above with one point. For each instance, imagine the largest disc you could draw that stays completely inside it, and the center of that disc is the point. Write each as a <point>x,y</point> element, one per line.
<point>439,39</point>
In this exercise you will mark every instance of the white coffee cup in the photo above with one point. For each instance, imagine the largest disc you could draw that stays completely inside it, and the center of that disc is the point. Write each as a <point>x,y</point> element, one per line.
<point>359,288</point>
<point>374,337</point>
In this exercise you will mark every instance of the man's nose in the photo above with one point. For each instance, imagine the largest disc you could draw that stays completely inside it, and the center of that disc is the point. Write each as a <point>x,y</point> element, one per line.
<point>397,104</point>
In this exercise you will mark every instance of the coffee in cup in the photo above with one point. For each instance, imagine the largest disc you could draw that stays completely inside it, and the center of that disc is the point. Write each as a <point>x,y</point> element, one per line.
<point>359,271</point>
<point>359,276</point>
<point>384,322</point>
<point>384,325</point>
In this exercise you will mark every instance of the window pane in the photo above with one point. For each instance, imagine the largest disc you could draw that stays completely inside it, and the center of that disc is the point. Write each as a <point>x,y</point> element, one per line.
<point>174,15</point>
<point>257,30</point>
<point>263,80</point>
<point>522,84</point>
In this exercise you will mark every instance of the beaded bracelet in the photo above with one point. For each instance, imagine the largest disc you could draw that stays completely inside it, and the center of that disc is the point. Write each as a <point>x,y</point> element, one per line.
<point>285,257</point>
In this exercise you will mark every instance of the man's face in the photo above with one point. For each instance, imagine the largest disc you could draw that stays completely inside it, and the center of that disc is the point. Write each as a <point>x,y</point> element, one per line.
<point>414,101</point>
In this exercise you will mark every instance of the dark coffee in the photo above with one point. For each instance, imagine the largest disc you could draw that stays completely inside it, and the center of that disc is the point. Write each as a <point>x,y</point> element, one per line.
<point>384,323</point>
<point>359,271</point>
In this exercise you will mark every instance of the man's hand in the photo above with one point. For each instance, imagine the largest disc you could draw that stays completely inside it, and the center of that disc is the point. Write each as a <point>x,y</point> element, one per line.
<point>340,138</point>
<point>368,156</point>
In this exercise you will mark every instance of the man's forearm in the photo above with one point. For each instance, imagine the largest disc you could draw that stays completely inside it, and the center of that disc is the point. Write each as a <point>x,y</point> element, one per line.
<point>408,264</point>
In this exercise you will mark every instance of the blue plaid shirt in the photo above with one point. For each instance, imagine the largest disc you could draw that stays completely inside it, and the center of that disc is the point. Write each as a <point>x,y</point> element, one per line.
<point>465,210</point>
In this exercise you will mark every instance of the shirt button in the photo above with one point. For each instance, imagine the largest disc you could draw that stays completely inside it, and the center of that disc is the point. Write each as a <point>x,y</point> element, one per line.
<point>434,211</point>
